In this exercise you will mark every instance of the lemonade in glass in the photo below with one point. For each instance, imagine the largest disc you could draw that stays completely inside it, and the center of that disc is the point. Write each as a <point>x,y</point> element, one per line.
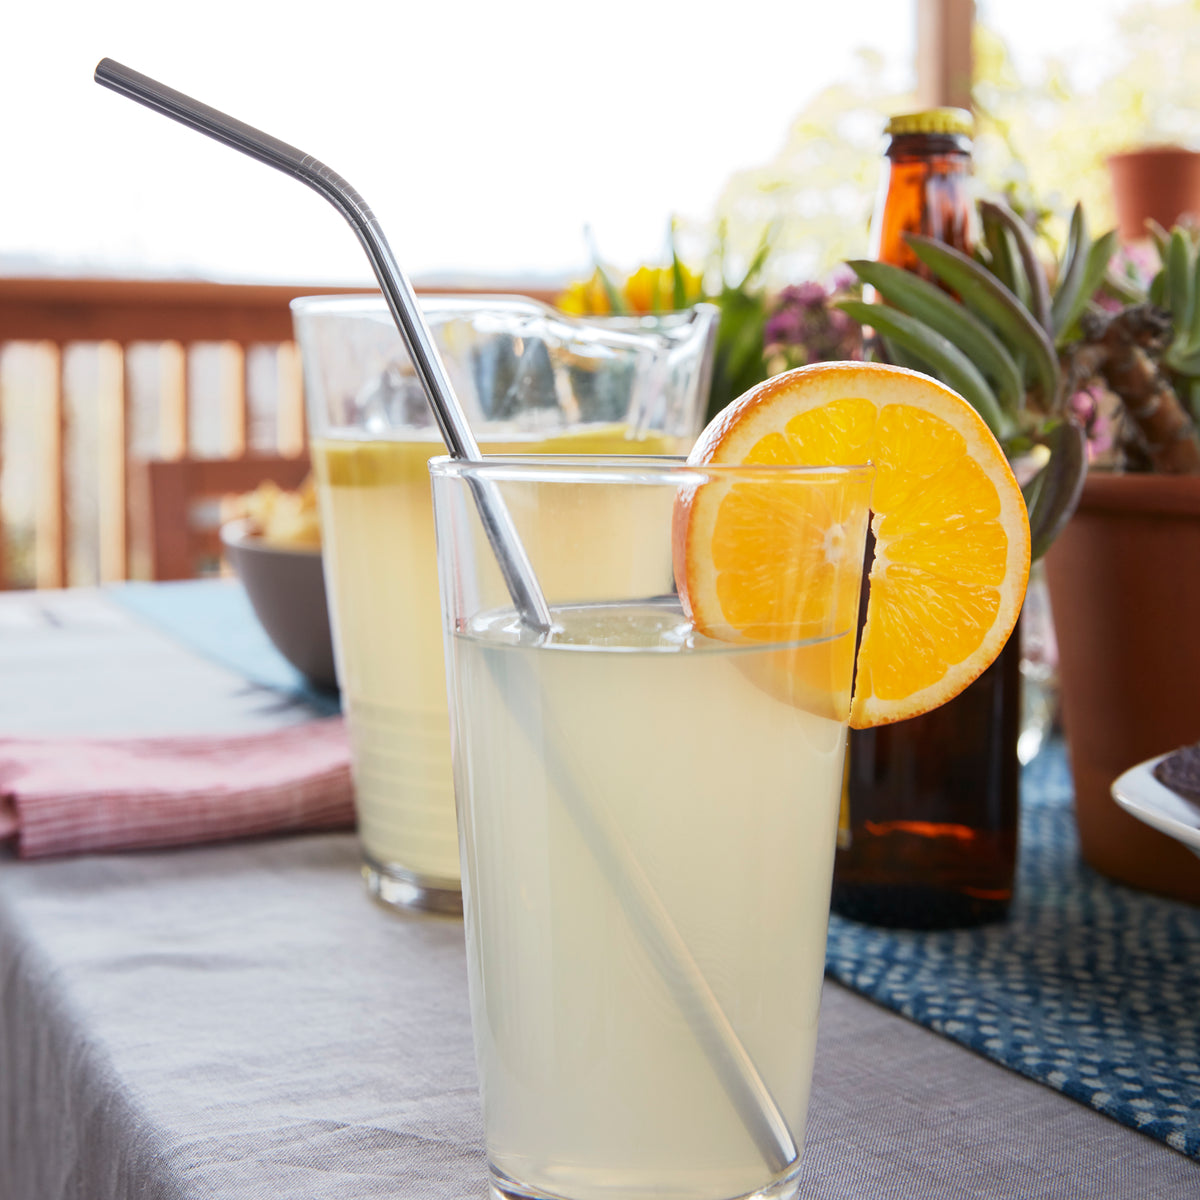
<point>648,823</point>
<point>530,380</point>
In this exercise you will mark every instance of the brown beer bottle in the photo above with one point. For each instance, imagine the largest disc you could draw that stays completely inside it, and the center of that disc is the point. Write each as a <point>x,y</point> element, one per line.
<point>925,186</point>
<point>928,831</point>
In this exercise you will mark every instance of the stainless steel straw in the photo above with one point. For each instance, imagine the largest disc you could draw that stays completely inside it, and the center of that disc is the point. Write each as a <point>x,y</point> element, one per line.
<point>456,432</point>
<point>733,1065</point>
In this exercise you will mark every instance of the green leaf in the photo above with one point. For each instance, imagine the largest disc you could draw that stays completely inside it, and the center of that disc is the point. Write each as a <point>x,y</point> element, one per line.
<point>615,300</point>
<point>1179,279</point>
<point>1157,294</point>
<point>1122,288</point>
<point>678,286</point>
<point>1053,493</point>
<point>990,300</point>
<point>947,360</point>
<point>902,358</point>
<point>1070,274</point>
<point>1182,362</point>
<point>1020,285</point>
<point>932,306</point>
<point>1095,270</point>
<point>1162,239</point>
<point>1031,268</point>
<point>738,357</point>
<point>760,255</point>
<point>1002,250</point>
<point>1193,329</point>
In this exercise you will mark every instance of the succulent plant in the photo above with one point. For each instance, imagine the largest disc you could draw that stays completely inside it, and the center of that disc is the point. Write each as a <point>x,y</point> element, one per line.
<point>1144,347</point>
<point>992,327</point>
<point>1176,288</point>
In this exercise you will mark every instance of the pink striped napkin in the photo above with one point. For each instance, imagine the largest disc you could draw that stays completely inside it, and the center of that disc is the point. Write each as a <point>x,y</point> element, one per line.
<point>74,796</point>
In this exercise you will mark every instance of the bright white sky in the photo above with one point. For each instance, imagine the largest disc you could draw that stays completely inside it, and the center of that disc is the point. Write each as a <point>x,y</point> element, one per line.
<point>485,135</point>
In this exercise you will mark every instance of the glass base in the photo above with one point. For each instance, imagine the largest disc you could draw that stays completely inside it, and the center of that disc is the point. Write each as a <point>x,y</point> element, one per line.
<point>395,887</point>
<point>504,1187</point>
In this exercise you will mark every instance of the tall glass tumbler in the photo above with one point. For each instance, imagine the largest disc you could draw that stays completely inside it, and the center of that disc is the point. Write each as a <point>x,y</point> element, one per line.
<point>530,379</point>
<point>648,801</point>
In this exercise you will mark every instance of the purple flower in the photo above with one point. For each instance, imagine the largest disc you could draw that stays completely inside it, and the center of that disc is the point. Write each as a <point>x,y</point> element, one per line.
<point>784,327</point>
<point>811,294</point>
<point>842,279</point>
<point>1087,407</point>
<point>804,327</point>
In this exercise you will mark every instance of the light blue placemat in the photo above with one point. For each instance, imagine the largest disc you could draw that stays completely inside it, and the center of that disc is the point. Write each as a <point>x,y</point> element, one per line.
<point>1089,987</point>
<point>213,617</point>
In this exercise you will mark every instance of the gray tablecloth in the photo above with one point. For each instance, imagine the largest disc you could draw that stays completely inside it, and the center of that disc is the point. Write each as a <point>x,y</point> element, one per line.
<point>241,1021</point>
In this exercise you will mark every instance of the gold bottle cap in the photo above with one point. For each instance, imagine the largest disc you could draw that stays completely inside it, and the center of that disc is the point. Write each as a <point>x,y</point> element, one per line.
<point>954,121</point>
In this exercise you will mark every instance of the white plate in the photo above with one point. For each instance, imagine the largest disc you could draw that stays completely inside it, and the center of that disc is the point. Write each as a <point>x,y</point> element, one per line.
<point>1142,796</point>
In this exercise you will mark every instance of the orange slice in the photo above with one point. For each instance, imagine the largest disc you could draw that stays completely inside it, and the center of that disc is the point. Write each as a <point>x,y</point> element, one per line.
<point>951,531</point>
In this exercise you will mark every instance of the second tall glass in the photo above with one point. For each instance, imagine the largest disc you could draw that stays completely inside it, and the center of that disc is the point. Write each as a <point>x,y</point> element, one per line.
<point>530,380</point>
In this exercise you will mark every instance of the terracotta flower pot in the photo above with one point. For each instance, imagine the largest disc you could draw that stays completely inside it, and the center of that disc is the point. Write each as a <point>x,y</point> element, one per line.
<point>1124,581</point>
<point>1156,182</point>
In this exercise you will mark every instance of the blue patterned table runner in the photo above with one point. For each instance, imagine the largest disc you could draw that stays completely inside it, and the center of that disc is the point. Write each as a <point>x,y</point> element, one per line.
<point>1090,987</point>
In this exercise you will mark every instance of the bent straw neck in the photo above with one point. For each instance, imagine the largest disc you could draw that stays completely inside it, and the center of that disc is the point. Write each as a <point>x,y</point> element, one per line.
<point>401,300</point>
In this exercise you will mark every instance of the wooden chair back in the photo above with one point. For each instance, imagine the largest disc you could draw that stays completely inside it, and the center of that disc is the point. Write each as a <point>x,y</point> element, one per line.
<point>182,506</point>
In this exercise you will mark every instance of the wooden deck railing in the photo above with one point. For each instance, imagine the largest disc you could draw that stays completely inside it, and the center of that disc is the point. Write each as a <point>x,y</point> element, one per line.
<point>46,318</point>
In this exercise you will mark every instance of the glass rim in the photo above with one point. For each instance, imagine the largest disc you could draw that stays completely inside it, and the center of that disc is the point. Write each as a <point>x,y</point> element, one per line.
<point>373,303</point>
<point>631,468</point>
<point>373,306</point>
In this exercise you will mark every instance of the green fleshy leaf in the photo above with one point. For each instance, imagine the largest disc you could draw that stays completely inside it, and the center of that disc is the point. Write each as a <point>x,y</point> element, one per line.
<point>1038,289</point>
<point>1053,493</point>
<point>1070,274</point>
<point>995,304</point>
<point>1095,269</point>
<point>950,364</point>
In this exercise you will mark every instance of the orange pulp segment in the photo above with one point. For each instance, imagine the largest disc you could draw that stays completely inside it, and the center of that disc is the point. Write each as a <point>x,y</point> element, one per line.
<point>951,558</point>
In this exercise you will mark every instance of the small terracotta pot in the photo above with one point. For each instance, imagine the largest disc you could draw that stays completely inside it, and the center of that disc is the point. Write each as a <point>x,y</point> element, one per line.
<point>1124,581</point>
<point>1161,183</point>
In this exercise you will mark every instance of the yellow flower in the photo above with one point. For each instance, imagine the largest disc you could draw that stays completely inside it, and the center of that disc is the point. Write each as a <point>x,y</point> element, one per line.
<point>586,298</point>
<point>652,289</point>
<point>643,290</point>
<point>647,290</point>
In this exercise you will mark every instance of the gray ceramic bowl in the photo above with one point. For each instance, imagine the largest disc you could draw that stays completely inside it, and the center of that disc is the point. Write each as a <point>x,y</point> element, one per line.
<point>287,591</point>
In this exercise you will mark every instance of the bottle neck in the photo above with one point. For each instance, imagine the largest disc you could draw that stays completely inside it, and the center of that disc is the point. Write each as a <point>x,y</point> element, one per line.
<point>908,146</point>
<point>924,189</point>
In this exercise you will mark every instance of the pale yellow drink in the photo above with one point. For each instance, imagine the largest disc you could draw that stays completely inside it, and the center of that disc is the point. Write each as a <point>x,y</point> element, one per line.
<point>726,797</point>
<point>381,575</point>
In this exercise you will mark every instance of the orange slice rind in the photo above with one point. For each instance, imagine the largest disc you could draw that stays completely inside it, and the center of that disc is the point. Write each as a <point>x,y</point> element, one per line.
<point>951,558</point>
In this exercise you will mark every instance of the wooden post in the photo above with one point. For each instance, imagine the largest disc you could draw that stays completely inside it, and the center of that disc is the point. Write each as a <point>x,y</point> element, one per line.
<point>291,434</point>
<point>233,399</point>
<point>4,568</point>
<point>112,451</point>
<point>944,64</point>
<point>50,545</point>
<point>173,416</point>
